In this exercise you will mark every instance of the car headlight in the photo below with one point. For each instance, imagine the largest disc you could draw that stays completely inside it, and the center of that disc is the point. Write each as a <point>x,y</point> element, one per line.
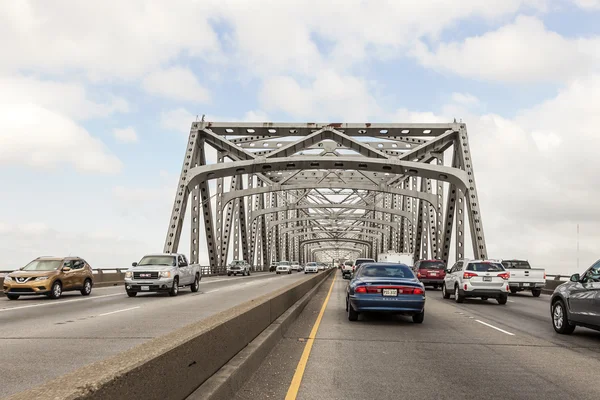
<point>41,278</point>
<point>7,279</point>
<point>165,274</point>
<point>128,274</point>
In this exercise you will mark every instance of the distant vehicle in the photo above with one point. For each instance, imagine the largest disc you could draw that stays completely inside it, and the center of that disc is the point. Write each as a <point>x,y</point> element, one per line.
<point>359,261</point>
<point>523,277</point>
<point>238,267</point>
<point>284,267</point>
<point>321,266</point>
<point>273,266</point>
<point>577,302</point>
<point>311,267</point>
<point>50,276</point>
<point>431,272</point>
<point>165,272</point>
<point>295,266</point>
<point>476,278</point>
<point>386,288</point>
<point>402,258</point>
<point>347,269</point>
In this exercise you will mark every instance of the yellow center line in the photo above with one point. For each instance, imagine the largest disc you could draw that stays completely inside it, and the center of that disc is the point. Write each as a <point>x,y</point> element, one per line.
<point>297,379</point>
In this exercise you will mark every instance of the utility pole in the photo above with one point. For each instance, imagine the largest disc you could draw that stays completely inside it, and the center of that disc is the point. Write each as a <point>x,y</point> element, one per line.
<point>577,247</point>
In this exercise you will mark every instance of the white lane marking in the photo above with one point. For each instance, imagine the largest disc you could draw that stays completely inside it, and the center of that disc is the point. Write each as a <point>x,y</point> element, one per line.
<point>511,301</point>
<point>54,302</point>
<point>118,311</point>
<point>495,327</point>
<point>212,291</point>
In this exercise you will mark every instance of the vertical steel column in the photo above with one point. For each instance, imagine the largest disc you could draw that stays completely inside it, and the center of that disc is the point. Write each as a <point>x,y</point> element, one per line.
<point>227,222</point>
<point>414,211</point>
<point>219,214</point>
<point>242,222</point>
<point>439,219</point>
<point>405,221</point>
<point>195,219</point>
<point>235,220</point>
<point>207,211</point>
<point>449,219</point>
<point>417,250</point>
<point>263,231</point>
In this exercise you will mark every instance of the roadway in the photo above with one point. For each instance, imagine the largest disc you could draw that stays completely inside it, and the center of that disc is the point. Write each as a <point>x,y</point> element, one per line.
<point>41,339</point>
<point>475,350</point>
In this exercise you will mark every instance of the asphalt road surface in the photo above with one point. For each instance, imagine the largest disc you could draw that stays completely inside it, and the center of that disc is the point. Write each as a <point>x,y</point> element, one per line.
<point>475,350</point>
<point>41,339</point>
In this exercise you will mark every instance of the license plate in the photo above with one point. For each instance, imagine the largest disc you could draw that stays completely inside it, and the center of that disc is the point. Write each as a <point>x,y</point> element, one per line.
<point>145,288</point>
<point>487,278</point>
<point>433,273</point>
<point>390,292</point>
<point>527,284</point>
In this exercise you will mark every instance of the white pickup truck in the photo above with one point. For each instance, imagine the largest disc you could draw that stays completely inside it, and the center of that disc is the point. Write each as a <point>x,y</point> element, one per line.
<point>162,273</point>
<point>523,277</point>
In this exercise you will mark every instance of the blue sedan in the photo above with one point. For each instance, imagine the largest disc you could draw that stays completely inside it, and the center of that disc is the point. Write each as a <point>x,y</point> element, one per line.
<point>385,287</point>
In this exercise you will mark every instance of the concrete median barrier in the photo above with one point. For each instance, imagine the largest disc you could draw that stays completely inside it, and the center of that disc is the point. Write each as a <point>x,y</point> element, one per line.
<point>175,365</point>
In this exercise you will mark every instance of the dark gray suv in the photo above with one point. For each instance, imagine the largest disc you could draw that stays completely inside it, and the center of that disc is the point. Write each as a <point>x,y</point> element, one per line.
<point>577,302</point>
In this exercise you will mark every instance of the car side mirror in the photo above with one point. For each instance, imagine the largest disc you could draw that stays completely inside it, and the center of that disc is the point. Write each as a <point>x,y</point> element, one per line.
<point>575,278</point>
<point>66,269</point>
<point>134,264</point>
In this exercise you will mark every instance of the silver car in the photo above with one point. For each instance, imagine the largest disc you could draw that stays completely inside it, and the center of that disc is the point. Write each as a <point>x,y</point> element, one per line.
<point>476,278</point>
<point>284,267</point>
<point>577,302</point>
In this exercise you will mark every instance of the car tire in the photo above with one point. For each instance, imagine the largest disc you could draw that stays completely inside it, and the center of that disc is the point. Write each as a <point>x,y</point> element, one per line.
<point>196,285</point>
<point>131,294</point>
<point>248,272</point>
<point>87,288</point>
<point>418,318</point>
<point>305,272</point>
<point>536,292</point>
<point>55,291</point>
<point>175,288</point>
<point>277,273</point>
<point>290,272</point>
<point>513,291</point>
<point>352,314</point>
<point>484,298</point>
<point>560,321</point>
<point>228,274</point>
<point>457,296</point>
<point>502,299</point>
<point>445,293</point>
<point>13,296</point>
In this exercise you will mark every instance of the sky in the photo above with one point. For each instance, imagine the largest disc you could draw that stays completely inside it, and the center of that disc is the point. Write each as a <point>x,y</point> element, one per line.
<point>97,98</point>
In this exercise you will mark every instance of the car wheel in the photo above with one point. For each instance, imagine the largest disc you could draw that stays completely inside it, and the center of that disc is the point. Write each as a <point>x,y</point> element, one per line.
<point>228,274</point>
<point>56,291</point>
<point>418,318</point>
<point>502,299</point>
<point>352,314</point>
<point>445,293</point>
<point>248,272</point>
<point>536,292</point>
<point>196,285</point>
<point>305,272</point>
<point>289,272</point>
<point>513,291</point>
<point>131,294</point>
<point>13,296</point>
<point>457,297</point>
<point>277,273</point>
<point>560,321</point>
<point>87,288</point>
<point>484,298</point>
<point>175,289</point>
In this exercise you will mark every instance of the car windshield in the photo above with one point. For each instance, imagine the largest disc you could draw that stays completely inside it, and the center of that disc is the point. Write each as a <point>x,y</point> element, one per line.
<point>237,262</point>
<point>43,265</point>
<point>516,264</point>
<point>311,264</point>
<point>349,263</point>
<point>385,271</point>
<point>157,260</point>
<point>485,267</point>
<point>284,263</point>
<point>432,265</point>
<point>363,260</point>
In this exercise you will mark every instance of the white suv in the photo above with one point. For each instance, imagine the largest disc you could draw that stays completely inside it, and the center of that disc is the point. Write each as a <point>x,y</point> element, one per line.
<point>311,267</point>
<point>284,267</point>
<point>295,266</point>
<point>347,269</point>
<point>476,278</point>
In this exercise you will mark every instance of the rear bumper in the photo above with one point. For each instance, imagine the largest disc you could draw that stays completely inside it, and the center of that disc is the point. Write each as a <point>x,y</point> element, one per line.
<point>493,293</point>
<point>430,281</point>
<point>526,285</point>
<point>398,304</point>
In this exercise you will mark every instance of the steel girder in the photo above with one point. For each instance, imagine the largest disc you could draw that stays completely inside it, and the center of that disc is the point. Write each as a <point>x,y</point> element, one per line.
<point>385,184</point>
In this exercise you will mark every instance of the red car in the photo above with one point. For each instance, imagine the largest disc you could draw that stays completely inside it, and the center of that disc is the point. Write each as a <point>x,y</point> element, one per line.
<point>431,272</point>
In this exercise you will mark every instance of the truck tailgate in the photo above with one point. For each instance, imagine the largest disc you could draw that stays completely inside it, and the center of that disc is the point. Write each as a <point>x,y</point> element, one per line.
<point>536,275</point>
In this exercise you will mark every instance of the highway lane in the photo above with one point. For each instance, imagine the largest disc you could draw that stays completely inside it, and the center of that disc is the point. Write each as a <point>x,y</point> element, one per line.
<point>474,350</point>
<point>41,338</point>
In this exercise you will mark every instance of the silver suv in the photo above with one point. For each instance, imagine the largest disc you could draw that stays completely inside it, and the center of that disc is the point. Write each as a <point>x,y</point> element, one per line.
<point>476,278</point>
<point>238,267</point>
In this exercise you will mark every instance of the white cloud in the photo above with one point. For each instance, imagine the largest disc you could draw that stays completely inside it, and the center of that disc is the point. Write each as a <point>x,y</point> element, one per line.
<point>523,51</point>
<point>33,136</point>
<point>176,83</point>
<point>330,96</point>
<point>125,135</point>
<point>178,120</point>
<point>588,4</point>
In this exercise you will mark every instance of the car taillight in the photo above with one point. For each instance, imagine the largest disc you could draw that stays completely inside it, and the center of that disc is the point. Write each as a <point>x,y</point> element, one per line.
<point>468,275</point>
<point>419,275</point>
<point>360,289</point>
<point>504,276</point>
<point>401,289</point>
<point>544,275</point>
<point>418,291</point>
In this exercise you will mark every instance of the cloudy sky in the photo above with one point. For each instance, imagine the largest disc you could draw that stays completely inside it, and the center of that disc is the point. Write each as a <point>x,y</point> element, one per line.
<point>96,100</point>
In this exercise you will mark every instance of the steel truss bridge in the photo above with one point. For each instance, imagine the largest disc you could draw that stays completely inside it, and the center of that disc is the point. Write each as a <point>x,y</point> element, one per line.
<point>313,191</point>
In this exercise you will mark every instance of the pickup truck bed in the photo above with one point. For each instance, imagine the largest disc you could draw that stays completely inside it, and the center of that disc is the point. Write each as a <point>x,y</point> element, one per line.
<point>523,277</point>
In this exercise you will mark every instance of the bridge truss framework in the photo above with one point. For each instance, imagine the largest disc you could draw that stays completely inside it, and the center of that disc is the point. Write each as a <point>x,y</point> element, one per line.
<point>311,192</point>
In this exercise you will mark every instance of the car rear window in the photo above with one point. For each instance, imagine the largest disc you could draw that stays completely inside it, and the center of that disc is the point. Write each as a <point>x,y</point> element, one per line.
<point>386,271</point>
<point>349,263</point>
<point>485,267</point>
<point>363,260</point>
<point>432,265</point>
<point>516,264</point>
